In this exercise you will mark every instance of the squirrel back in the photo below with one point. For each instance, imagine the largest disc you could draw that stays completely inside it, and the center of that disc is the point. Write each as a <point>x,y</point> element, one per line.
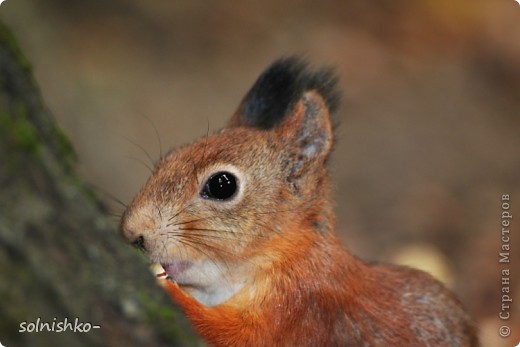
<point>242,223</point>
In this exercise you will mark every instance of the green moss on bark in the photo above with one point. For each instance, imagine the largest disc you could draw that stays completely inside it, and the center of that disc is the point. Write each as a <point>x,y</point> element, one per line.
<point>60,255</point>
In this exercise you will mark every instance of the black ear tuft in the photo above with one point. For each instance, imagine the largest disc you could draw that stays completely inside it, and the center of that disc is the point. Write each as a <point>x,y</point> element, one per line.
<point>279,88</point>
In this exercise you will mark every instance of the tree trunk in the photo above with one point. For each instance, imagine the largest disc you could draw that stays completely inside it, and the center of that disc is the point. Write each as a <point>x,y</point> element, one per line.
<point>61,259</point>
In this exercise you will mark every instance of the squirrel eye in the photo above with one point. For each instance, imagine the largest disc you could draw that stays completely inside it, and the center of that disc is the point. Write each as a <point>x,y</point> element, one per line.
<point>220,186</point>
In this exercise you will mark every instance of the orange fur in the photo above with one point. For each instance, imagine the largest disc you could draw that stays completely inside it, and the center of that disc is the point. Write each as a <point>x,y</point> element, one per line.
<point>301,300</point>
<point>264,267</point>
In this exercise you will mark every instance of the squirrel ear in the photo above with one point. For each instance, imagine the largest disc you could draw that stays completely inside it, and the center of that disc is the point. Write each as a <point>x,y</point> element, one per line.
<point>307,131</point>
<point>272,96</point>
<point>279,88</point>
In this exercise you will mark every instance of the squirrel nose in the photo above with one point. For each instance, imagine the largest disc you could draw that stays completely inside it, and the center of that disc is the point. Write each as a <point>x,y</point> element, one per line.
<point>138,243</point>
<point>136,239</point>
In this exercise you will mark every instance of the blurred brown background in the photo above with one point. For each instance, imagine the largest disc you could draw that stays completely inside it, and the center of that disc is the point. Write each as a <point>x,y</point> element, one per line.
<point>430,133</point>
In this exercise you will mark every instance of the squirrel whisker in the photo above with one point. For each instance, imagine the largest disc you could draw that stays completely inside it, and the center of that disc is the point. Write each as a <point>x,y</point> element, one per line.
<point>208,233</point>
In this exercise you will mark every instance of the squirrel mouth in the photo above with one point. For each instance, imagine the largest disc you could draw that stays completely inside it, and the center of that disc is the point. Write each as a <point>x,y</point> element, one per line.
<point>173,270</point>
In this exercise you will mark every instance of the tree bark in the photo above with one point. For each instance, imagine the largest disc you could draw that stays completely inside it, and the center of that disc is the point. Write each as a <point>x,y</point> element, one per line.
<point>61,259</point>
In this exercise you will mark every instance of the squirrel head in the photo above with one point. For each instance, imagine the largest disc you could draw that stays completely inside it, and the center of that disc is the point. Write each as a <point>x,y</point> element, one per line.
<point>224,198</point>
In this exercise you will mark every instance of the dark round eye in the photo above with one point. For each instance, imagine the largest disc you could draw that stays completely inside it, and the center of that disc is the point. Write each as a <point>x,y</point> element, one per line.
<point>220,186</point>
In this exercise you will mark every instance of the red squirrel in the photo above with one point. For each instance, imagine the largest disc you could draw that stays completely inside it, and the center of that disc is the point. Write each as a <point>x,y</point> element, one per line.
<point>243,224</point>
